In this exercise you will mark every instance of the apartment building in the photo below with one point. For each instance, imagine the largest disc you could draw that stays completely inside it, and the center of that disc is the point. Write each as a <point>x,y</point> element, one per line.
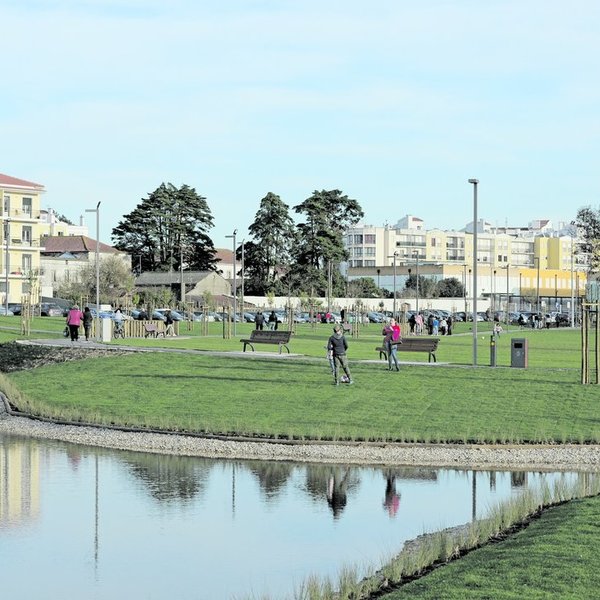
<point>535,260</point>
<point>20,238</point>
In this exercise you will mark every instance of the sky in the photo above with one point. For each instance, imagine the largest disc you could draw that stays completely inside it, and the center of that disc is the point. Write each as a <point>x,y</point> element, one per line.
<point>396,103</point>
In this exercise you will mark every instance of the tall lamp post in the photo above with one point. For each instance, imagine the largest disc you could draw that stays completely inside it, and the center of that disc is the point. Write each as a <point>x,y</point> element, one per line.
<point>507,294</point>
<point>394,256</point>
<point>234,279</point>
<point>97,211</point>
<point>572,287</point>
<point>537,293</point>
<point>6,260</point>
<point>474,182</point>
<point>416,254</point>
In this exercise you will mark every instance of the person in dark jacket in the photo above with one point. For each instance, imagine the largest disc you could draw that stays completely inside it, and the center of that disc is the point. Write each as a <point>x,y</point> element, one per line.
<point>259,320</point>
<point>338,346</point>
<point>88,319</point>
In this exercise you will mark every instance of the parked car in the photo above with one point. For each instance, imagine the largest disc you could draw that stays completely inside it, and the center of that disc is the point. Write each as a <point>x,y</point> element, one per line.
<point>248,317</point>
<point>14,308</point>
<point>161,312</point>
<point>210,317</point>
<point>224,316</point>
<point>6,313</point>
<point>375,317</point>
<point>47,309</point>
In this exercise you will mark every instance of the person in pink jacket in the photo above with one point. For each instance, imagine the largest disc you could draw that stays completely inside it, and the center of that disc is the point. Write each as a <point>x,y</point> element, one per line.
<point>74,319</point>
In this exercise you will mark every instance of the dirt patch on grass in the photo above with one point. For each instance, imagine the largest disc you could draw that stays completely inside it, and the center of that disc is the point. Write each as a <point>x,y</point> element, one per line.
<point>20,357</point>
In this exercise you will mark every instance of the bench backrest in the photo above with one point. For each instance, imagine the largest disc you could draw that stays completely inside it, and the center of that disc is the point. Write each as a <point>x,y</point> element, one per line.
<point>267,335</point>
<point>426,344</point>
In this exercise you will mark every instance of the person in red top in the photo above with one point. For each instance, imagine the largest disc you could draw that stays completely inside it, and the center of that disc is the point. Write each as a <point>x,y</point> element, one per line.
<point>74,319</point>
<point>393,337</point>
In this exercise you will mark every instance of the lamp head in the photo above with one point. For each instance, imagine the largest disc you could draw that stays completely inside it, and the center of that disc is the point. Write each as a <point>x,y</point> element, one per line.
<point>475,181</point>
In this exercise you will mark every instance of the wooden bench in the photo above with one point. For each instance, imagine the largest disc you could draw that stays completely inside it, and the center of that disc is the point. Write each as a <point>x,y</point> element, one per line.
<point>151,330</point>
<point>414,344</point>
<point>266,336</point>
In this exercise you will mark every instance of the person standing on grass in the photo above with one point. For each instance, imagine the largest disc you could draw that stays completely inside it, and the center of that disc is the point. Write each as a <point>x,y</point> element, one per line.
<point>259,320</point>
<point>88,319</point>
<point>74,319</point>
<point>392,337</point>
<point>170,329</point>
<point>338,346</point>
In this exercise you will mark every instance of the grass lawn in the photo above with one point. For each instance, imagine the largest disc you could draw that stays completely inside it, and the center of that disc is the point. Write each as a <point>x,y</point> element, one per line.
<point>557,556</point>
<point>293,397</point>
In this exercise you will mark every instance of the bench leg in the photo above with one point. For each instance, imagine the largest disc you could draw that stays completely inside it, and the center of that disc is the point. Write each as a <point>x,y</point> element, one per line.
<point>382,354</point>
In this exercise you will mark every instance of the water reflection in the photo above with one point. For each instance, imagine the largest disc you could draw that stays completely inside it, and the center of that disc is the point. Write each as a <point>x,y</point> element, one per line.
<point>145,525</point>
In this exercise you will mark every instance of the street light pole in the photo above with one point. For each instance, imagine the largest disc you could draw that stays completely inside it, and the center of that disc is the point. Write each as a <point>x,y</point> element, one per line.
<point>242,284</point>
<point>537,294</point>
<point>416,253</point>
<point>234,279</point>
<point>474,182</point>
<point>97,211</point>
<point>6,260</point>
<point>572,289</point>
<point>394,256</point>
<point>507,295</point>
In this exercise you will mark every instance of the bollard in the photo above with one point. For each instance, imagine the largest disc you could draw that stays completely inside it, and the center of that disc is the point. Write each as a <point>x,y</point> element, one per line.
<point>493,350</point>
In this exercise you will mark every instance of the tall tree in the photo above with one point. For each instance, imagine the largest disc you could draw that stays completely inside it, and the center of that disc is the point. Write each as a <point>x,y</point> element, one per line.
<point>168,228</point>
<point>320,248</point>
<point>268,254</point>
<point>450,288</point>
<point>588,224</point>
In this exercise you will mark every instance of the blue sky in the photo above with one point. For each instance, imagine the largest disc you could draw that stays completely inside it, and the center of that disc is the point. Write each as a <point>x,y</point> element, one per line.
<point>397,103</point>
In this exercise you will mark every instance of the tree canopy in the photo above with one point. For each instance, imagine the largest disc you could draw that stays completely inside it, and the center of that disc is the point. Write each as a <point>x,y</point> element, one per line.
<point>273,236</point>
<point>168,228</point>
<point>588,223</point>
<point>320,248</point>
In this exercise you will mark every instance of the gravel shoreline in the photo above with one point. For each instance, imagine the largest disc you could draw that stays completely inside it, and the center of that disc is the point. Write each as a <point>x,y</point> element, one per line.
<point>471,456</point>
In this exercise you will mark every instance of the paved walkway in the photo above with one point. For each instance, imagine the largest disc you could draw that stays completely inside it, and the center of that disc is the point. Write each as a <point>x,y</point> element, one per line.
<point>62,342</point>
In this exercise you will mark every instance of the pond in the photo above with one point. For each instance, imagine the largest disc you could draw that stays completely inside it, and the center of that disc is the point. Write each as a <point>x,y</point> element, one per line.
<point>82,522</point>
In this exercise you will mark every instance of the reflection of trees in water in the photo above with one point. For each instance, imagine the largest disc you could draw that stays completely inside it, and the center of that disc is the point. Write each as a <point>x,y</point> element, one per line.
<point>170,477</point>
<point>272,476</point>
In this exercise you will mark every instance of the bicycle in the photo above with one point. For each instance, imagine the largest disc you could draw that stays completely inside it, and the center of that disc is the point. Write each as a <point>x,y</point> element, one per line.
<point>119,331</point>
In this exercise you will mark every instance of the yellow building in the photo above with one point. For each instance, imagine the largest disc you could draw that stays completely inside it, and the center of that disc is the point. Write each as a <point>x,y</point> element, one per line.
<point>20,239</point>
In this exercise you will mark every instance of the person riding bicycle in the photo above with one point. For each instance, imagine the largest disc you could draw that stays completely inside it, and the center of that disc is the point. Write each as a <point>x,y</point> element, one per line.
<point>118,317</point>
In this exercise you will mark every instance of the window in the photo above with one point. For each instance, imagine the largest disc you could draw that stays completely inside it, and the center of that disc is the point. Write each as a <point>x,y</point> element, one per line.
<point>7,204</point>
<point>358,239</point>
<point>369,263</point>
<point>358,251</point>
<point>26,262</point>
<point>369,251</point>
<point>370,238</point>
<point>26,234</point>
<point>27,206</point>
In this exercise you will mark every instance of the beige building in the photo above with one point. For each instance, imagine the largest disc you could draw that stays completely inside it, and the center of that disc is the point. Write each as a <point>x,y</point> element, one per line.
<point>63,256</point>
<point>536,261</point>
<point>20,239</point>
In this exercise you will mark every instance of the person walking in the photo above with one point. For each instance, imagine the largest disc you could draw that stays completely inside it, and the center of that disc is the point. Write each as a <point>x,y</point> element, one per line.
<point>259,320</point>
<point>392,337</point>
<point>88,319</point>
<point>272,321</point>
<point>338,346</point>
<point>74,318</point>
<point>169,321</point>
